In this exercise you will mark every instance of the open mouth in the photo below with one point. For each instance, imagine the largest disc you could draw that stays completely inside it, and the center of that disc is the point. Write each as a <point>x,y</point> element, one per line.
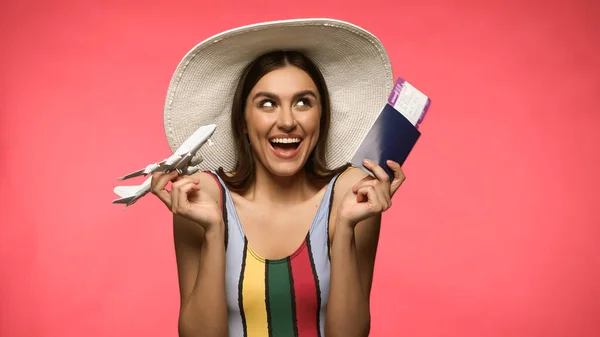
<point>285,146</point>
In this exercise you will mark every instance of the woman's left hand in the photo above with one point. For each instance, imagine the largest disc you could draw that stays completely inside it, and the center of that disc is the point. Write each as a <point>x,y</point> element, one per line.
<point>370,196</point>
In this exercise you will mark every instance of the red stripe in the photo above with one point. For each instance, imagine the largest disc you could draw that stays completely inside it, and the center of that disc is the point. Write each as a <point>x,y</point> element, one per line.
<point>305,293</point>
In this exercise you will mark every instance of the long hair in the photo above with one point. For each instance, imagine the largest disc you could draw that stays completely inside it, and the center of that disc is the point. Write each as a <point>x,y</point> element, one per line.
<point>243,174</point>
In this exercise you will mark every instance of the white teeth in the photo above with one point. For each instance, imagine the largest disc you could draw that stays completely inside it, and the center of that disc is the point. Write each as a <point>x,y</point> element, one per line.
<point>286,140</point>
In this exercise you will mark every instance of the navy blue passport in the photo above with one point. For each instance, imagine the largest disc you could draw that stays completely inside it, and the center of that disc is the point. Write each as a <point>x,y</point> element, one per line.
<point>391,137</point>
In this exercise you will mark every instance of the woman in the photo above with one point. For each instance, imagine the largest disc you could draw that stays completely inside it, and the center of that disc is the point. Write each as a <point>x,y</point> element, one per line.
<point>282,243</point>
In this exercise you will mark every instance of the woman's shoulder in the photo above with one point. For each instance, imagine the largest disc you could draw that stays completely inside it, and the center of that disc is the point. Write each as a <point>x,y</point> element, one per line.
<point>347,179</point>
<point>344,183</point>
<point>209,183</point>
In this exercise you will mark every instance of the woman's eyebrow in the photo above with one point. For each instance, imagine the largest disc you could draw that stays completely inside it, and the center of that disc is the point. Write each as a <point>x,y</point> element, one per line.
<point>275,97</point>
<point>266,94</point>
<point>305,93</point>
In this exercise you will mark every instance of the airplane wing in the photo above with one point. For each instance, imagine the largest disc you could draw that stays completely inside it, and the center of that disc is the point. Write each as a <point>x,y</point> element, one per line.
<point>182,161</point>
<point>145,171</point>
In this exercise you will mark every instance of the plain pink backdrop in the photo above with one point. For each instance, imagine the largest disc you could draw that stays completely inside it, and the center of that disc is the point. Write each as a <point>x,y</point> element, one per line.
<point>495,232</point>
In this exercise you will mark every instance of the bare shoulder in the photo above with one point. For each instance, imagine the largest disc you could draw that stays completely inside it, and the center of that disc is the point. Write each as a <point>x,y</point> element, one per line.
<point>347,179</point>
<point>209,184</point>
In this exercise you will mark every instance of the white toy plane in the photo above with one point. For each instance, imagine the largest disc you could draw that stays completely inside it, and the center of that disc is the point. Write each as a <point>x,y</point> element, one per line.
<point>181,161</point>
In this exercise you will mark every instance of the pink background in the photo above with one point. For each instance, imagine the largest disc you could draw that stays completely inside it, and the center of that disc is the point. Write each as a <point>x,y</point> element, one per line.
<point>494,232</point>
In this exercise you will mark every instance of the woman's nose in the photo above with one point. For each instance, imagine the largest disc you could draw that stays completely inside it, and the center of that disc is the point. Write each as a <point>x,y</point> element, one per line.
<point>286,120</point>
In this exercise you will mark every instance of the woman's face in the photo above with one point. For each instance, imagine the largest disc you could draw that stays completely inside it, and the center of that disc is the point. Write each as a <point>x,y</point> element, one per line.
<point>283,113</point>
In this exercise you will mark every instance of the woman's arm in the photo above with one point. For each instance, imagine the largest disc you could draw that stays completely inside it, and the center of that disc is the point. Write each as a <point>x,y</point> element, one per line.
<point>356,219</point>
<point>352,262</point>
<point>201,270</point>
<point>199,236</point>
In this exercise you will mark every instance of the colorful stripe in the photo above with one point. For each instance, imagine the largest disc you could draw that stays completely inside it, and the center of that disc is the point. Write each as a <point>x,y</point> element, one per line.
<point>318,244</point>
<point>253,294</point>
<point>279,299</point>
<point>273,298</point>
<point>306,294</point>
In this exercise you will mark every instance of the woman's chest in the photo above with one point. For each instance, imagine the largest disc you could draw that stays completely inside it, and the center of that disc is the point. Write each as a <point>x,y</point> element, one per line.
<point>277,233</point>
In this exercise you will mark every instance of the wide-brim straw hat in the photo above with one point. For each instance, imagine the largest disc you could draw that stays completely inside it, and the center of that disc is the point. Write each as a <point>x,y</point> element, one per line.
<point>354,63</point>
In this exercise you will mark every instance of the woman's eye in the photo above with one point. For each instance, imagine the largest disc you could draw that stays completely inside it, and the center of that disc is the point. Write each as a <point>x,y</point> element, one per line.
<point>303,103</point>
<point>267,104</point>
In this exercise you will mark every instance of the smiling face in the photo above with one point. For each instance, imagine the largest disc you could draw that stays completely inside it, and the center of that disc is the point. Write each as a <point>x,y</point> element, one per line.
<point>280,117</point>
<point>283,112</point>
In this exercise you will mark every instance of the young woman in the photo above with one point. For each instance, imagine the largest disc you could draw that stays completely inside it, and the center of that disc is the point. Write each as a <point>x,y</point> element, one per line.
<point>280,244</point>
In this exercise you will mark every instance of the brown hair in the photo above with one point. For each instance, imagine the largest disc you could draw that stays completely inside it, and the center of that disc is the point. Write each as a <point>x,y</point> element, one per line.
<point>244,171</point>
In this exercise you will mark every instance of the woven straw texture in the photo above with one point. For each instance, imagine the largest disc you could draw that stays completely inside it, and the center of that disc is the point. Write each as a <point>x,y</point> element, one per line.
<point>355,65</point>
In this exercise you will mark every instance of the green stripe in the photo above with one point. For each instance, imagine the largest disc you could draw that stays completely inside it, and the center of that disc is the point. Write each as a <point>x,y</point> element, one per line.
<point>280,299</point>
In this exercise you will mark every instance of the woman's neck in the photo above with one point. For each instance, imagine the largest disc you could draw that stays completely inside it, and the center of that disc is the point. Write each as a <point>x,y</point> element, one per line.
<point>273,189</point>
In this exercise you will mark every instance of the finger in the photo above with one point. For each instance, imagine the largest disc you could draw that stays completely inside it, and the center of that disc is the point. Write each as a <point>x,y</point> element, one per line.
<point>399,176</point>
<point>382,190</point>
<point>181,180</point>
<point>377,170</point>
<point>160,180</point>
<point>165,197</point>
<point>183,202</point>
<point>175,191</point>
<point>384,196</point>
<point>158,183</point>
<point>369,195</point>
<point>378,201</point>
<point>368,180</point>
<point>180,196</point>
<point>361,194</point>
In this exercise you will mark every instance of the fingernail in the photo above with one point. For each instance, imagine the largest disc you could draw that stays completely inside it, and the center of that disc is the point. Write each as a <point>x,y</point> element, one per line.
<point>366,161</point>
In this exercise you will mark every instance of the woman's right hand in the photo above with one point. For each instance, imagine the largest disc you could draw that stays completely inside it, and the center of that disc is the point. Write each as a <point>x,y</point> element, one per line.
<point>187,199</point>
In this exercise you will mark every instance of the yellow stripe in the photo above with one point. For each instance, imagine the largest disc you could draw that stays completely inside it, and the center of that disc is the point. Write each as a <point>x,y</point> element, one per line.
<point>253,292</point>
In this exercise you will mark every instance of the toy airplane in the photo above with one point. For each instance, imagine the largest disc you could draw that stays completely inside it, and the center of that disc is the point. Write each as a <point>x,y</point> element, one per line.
<point>181,161</point>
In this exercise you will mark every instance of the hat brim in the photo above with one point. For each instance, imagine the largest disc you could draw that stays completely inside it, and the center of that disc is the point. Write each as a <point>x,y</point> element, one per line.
<point>354,63</point>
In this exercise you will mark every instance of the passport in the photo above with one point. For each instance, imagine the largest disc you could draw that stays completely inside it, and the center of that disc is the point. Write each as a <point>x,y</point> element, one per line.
<point>396,130</point>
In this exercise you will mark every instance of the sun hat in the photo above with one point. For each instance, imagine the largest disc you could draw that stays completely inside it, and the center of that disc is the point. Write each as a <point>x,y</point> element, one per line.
<point>354,63</point>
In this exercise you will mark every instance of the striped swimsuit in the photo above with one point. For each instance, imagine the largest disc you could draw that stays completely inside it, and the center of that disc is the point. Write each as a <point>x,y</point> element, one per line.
<point>277,298</point>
